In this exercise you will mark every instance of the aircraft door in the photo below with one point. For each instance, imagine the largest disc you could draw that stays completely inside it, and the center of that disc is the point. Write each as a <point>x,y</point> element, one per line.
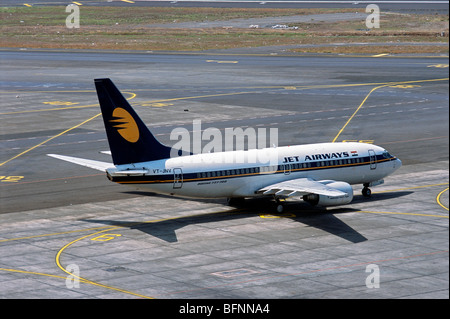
<point>373,159</point>
<point>287,169</point>
<point>177,178</point>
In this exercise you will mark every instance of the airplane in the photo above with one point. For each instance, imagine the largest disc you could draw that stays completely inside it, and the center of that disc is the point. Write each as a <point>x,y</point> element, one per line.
<point>320,174</point>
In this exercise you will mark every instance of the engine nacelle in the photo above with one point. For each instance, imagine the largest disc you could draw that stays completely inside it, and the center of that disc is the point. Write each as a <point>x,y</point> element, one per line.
<point>322,200</point>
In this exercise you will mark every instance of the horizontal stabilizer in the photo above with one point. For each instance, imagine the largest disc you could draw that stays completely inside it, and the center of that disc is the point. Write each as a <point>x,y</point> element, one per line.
<point>129,172</point>
<point>101,166</point>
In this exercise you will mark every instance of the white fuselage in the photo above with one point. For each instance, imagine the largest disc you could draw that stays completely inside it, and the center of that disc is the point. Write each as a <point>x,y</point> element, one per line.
<point>242,173</point>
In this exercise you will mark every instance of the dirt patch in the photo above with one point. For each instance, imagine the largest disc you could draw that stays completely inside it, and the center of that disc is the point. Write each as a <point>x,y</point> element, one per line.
<point>130,29</point>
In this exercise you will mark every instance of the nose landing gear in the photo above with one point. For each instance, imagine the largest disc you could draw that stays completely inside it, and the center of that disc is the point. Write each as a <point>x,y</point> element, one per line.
<point>366,192</point>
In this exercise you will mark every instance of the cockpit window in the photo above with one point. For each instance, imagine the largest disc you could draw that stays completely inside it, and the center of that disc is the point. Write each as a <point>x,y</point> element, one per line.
<point>386,154</point>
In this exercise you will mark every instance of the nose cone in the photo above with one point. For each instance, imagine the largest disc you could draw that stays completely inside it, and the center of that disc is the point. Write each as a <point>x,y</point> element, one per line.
<point>397,164</point>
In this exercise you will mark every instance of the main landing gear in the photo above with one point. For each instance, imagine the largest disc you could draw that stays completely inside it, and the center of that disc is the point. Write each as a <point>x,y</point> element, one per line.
<point>366,192</point>
<point>279,205</point>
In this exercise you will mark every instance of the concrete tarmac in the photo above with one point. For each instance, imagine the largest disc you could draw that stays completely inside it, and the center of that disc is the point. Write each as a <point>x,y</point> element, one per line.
<point>59,220</point>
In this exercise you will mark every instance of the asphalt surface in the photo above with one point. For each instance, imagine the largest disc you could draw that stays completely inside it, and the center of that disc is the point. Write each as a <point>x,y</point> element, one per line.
<point>131,244</point>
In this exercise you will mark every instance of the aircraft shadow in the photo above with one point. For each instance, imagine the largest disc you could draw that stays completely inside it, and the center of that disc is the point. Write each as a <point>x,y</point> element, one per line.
<point>318,218</point>
<point>323,219</point>
<point>166,229</point>
<point>380,196</point>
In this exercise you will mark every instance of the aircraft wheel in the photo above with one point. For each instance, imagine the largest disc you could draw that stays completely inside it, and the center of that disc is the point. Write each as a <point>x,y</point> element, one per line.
<point>280,208</point>
<point>366,192</point>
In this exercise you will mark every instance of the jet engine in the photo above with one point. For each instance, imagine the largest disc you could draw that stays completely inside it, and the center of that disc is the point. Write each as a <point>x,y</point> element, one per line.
<point>322,200</point>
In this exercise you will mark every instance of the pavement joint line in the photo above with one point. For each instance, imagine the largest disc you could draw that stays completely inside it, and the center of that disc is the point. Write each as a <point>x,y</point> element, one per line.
<point>58,255</point>
<point>133,95</point>
<point>224,212</point>
<point>108,228</point>
<point>309,272</point>
<point>49,139</point>
<point>212,95</point>
<point>399,213</point>
<point>374,89</point>
<point>58,263</point>
<point>58,135</point>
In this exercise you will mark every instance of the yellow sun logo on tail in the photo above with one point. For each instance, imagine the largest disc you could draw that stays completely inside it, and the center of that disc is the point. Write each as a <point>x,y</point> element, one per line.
<point>126,126</point>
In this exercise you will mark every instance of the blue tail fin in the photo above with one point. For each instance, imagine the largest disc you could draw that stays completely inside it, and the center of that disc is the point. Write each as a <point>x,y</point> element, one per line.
<point>129,138</point>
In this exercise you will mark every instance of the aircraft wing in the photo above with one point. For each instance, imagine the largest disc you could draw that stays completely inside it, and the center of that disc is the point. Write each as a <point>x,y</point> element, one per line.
<point>300,187</point>
<point>101,166</point>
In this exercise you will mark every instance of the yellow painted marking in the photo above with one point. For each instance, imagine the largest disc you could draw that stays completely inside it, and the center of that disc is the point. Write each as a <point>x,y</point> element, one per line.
<point>10,179</point>
<point>53,234</point>
<point>438,66</point>
<point>133,95</point>
<point>58,263</point>
<point>32,273</point>
<point>405,86</point>
<point>290,88</point>
<point>60,103</point>
<point>27,5</point>
<point>58,255</point>
<point>106,237</point>
<point>438,199</point>
<point>285,215</point>
<point>129,1</point>
<point>376,88</point>
<point>77,3</point>
<point>379,55</point>
<point>359,141</point>
<point>354,113</point>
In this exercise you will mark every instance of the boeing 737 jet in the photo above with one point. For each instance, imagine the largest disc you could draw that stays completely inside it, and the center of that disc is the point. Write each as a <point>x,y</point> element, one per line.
<point>320,174</point>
